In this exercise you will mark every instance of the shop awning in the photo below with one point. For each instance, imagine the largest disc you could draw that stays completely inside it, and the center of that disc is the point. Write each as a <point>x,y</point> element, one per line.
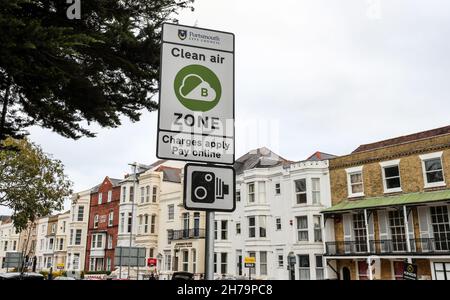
<point>386,201</point>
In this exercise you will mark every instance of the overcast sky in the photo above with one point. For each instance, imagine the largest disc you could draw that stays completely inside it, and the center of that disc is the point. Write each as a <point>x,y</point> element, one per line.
<point>310,75</point>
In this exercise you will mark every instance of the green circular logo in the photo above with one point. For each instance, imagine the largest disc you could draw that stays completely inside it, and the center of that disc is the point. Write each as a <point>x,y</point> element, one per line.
<point>197,88</point>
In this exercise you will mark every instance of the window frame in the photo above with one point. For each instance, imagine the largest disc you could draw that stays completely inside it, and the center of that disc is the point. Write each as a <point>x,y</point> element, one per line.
<point>389,164</point>
<point>350,172</point>
<point>298,230</point>
<point>299,193</point>
<point>428,157</point>
<point>252,194</point>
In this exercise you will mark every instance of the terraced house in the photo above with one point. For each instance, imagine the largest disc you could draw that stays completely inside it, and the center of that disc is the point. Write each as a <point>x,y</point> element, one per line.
<point>391,205</point>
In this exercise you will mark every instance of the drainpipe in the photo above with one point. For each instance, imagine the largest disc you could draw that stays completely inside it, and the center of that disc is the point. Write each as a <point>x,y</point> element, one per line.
<point>408,242</point>
<point>366,223</point>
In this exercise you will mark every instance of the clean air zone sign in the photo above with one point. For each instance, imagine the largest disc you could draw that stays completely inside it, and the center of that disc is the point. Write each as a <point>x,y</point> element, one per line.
<point>196,99</point>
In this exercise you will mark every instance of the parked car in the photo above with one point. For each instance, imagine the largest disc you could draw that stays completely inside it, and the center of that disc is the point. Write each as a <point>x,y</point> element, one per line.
<point>63,278</point>
<point>21,276</point>
<point>182,276</point>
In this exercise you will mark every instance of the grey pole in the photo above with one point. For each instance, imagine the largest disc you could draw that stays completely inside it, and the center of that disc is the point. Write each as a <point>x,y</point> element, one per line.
<point>132,216</point>
<point>209,246</point>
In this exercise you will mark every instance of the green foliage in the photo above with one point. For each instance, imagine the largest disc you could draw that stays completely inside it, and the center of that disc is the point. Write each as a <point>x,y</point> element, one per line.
<point>31,183</point>
<point>97,272</point>
<point>60,73</point>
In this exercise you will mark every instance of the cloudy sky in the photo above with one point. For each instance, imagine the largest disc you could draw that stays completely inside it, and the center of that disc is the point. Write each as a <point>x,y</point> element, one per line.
<point>310,75</point>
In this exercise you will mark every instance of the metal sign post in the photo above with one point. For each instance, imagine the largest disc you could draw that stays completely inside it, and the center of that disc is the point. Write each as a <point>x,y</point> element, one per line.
<point>209,246</point>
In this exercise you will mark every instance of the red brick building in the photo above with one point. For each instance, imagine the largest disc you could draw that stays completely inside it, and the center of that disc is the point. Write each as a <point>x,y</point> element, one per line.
<point>103,226</point>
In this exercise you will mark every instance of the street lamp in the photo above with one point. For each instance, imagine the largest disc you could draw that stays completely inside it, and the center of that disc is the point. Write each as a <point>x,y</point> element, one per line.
<point>134,165</point>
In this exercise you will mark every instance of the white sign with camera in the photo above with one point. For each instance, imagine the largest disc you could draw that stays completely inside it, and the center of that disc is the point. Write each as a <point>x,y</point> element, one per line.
<point>210,188</point>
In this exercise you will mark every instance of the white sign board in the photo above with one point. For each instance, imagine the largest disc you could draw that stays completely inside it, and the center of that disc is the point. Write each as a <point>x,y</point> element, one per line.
<point>196,96</point>
<point>209,188</point>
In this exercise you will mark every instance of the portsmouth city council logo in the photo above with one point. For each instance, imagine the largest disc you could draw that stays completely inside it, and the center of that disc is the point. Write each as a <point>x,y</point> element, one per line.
<point>182,34</point>
<point>197,88</point>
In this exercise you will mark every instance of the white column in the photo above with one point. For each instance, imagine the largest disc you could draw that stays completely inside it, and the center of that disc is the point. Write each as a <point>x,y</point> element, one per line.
<point>369,268</point>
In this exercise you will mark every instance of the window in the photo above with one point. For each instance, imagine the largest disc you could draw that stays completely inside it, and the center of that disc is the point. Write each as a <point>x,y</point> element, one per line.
<point>64,227</point>
<point>261,192</point>
<point>215,262</point>
<point>315,182</point>
<point>262,226</point>
<point>303,267</point>
<point>14,245</point>
<point>140,218</point>
<point>317,229</point>
<point>355,182</point>
<point>277,188</point>
<point>441,227</point>
<point>170,211</point>
<point>167,260</point>
<point>5,248</point>
<point>70,239</point>
<point>92,264</point>
<point>196,224</point>
<point>97,241</point>
<point>145,223</point>
<point>251,192</point>
<point>359,230</point>
<point>154,193</point>
<point>122,222</point>
<point>215,230</point>
<point>252,254</point>
<point>186,221</point>
<point>238,228</point>
<point>130,222</point>
<point>108,264</point>
<point>280,258</point>
<point>95,221</point>
<point>300,191</point>
<point>76,261</point>
<point>110,241</point>
<point>61,244</point>
<point>73,213</point>
<point>238,196</point>
<point>80,216</point>
<point>278,223</point>
<point>111,218</point>
<point>185,260</point>
<point>109,196</point>
<point>78,237</point>
<point>147,193</point>
<point>100,196</point>
<point>151,252</point>
<point>223,263</point>
<point>302,228</point>
<point>263,263</point>
<point>251,227</point>
<point>391,176</point>
<point>153,224</point>
<point>319,268</point>
<point>131,198</point>
<point>53,228</point>
<point>432,169</point>
<point>223,231</point>
<point>50,244</point>
<point>397,227</point>
<point>194,261</point>
<point>124,193</point>
<point>442,270</point>
<point>142,194</point>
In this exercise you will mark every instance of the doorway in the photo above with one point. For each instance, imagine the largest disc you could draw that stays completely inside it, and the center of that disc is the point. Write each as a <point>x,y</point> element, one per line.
<point>346,274</point>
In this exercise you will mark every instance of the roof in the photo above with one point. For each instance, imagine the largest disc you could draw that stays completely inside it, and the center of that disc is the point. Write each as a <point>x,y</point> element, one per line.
<point>320,156</point>
<point>4,218</point>
<point>114,181</point>
<point>404,139</point>
<point>389,201</point>
<point>259,158</point>
<point>170,174</point>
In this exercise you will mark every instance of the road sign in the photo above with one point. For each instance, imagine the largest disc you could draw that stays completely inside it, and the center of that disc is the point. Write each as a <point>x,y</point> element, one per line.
<point>196,96</point>
<point>13,260</point>
<point>134,256</point>
<point>210,188</point>
<point>410,271</point>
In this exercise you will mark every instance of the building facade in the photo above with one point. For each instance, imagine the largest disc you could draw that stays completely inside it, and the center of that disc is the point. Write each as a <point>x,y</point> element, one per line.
<point>391,206</point>
<point>103,226</point>
<point>61,237</point>
<point>277,218</point>
<point>77,230</point>
<point>9,240</point>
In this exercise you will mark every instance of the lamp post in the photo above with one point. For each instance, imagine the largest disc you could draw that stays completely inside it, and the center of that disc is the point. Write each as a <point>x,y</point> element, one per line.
<point>134,165</point>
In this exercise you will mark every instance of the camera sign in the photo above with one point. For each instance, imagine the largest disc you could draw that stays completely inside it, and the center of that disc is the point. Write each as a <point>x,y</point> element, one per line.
<point>209,188</point>
<point>196,95</point>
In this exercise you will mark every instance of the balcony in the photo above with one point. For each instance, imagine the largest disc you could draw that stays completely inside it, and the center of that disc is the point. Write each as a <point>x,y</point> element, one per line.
<point>186,234</point>
<point>422,246</point>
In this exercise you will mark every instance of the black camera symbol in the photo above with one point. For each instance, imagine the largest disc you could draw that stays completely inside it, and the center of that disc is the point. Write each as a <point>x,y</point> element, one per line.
<point>206,188</point>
